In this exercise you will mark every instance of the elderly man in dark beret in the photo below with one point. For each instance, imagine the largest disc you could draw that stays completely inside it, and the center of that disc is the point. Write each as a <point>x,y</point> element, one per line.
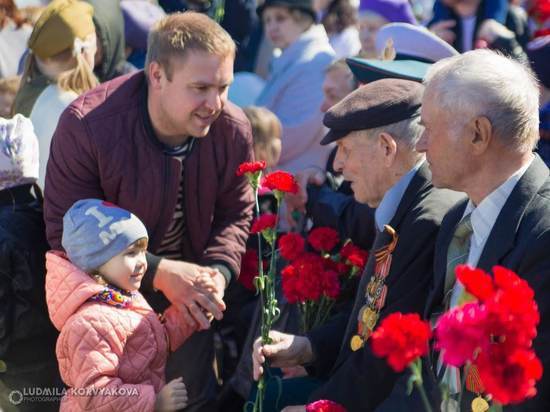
<point>376,129</point>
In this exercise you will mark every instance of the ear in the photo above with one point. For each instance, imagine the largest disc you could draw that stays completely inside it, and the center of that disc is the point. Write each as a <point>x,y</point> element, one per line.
<point>156,75</point>
<point>388,147</point>
<point>482,134</point>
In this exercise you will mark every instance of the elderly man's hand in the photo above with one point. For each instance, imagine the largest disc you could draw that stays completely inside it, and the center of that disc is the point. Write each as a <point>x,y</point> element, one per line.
<point>298,201</point>
<point>283,351</point>
<point>196,290</point>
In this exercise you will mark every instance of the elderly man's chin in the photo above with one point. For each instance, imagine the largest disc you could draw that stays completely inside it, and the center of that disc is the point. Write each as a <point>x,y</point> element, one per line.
<point>364,199</point>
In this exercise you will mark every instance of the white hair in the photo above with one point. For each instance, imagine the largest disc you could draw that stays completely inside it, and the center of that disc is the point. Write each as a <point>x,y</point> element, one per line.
<point>406,131</point>
<point>485,83</point>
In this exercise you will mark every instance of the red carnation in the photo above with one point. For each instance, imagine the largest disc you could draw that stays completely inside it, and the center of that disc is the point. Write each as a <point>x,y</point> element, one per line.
<point>475,281</point>
<point>354,255</point>
<point>264,222</point>
<point>301,280</point>
<point>338,267</point>
<point>509,377</point>
<point>402,339</point>
<point>323,239</point>
<point>281,181</point>
<point>249,269</point>
<point>330,284</point>
<point>325,406</point>
<point>460,333</point>
<point>291,246</point>
<point>250,167</point>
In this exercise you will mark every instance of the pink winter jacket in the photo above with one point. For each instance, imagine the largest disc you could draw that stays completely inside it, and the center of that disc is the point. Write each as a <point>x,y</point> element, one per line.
<point>113,359</point>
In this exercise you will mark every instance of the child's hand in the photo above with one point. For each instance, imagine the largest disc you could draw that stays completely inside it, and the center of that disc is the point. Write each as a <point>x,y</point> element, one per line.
<point>172,397</point>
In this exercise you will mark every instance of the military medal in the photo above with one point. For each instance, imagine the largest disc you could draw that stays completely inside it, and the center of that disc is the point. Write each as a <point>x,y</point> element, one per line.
<point>375,294</point>
<point>480,405</point>
<point>357,343</point>
<point>369,318</point>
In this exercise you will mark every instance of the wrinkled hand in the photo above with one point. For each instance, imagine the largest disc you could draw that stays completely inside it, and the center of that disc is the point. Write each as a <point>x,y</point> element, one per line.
<point>172,396</point>
<point>442,29</point>
<point>295,408</point>
<point>196,290</point>
<point>294,372</point>
<point>284,350</point>
<point>491,29</point>
<point>298,201</point>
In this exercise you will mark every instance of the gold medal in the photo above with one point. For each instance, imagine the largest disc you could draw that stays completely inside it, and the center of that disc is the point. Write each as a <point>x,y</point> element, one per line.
<point>480,405</point>
<point>370,318</point>
<point>356,343</point>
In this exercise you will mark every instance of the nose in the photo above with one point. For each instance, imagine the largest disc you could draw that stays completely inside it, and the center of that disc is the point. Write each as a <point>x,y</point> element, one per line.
<point>215,101</point>
<point>421,144</point>
<point>325,106</point>
<point>338,163</point>
<point>142,260</point>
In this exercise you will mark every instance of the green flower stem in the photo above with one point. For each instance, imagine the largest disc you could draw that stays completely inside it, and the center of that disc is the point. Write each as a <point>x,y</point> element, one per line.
<point>416,368</point>
<point>268,298</point>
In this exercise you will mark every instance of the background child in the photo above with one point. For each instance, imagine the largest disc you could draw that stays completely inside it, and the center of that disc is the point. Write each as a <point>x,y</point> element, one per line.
<point>266,132</point>
<point>112,348</point>
<point>8,90</point>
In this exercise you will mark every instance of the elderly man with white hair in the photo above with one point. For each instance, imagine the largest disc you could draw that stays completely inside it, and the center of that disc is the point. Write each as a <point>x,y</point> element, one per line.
<point>480,112</point>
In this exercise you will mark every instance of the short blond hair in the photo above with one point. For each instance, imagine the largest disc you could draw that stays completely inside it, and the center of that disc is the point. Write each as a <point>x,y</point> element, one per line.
<point>178,33</point>
<point>266,133</point>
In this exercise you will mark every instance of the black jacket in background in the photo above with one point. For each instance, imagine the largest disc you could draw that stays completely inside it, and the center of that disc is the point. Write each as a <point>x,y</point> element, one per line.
<point>27,338</point>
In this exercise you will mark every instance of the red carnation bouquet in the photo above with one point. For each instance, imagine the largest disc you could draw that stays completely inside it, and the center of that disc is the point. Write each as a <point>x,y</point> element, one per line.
<point>489,334</point>
<point>262,277</point>
<point>314,280</point>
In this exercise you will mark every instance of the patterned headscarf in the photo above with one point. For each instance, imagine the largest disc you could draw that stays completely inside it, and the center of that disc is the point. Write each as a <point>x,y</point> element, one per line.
<point>18,152</point>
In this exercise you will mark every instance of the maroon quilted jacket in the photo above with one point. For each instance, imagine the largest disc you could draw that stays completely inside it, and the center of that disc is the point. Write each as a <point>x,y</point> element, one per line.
<point>102,148</point>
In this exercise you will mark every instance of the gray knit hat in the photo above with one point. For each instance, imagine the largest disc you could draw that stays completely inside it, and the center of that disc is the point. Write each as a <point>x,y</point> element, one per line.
<point>94,231</point>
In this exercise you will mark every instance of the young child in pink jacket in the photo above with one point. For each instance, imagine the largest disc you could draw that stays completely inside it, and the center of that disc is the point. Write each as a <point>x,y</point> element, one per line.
<point>112,348</point>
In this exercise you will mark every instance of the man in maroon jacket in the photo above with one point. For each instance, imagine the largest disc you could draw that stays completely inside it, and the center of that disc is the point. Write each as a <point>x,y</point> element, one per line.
<point>165,144</point>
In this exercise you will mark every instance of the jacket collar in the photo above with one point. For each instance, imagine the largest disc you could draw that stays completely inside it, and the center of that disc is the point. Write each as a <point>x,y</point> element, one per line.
<point>420,182</point>
<point>502,237</point>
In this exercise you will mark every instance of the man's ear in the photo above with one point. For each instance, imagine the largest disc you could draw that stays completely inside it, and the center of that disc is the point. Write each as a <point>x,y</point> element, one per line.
<point>388,147</point>
<point>155,74</point>
<point>482,134</point>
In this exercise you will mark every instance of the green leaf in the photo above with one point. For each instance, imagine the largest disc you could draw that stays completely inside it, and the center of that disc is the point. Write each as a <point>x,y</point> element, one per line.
<point>3,366</point>
<point>495,407</point>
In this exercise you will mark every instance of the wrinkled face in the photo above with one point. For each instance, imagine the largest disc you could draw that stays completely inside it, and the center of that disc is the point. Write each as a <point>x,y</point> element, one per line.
<point>336,86</point>
<point>280,26</point>
<point>444,144</point>
<point>369,24</point>
<point>126,269</point>
<point>196,94</point>
<point>360,159</point>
